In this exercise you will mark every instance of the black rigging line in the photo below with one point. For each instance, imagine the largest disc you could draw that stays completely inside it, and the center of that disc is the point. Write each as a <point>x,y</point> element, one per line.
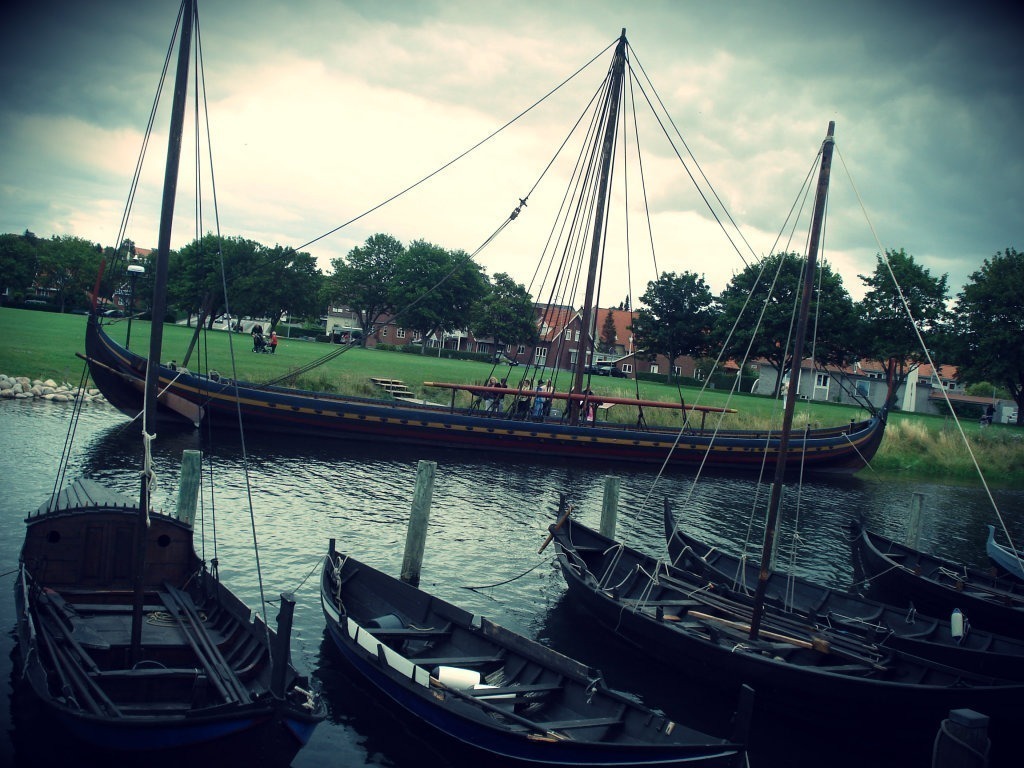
<point>461,155</point>
<point>697,186</point>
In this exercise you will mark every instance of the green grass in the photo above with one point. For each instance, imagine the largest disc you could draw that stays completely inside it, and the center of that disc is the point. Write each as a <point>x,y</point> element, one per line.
<point>44,345</point>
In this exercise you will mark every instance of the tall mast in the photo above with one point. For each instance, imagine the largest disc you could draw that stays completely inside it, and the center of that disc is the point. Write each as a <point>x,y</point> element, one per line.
<point>187,22</point>
<point>775,499</point>
<point>607,150</point>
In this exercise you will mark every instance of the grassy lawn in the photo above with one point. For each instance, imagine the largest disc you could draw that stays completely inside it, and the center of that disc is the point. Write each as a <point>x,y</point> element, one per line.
<point>44,345</point>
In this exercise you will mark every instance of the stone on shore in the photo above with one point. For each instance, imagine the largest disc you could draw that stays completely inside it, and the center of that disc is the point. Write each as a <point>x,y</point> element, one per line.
<point>24,388</point>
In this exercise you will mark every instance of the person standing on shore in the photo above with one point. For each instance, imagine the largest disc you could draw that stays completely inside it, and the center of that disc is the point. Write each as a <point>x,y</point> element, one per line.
<point>273,342</point>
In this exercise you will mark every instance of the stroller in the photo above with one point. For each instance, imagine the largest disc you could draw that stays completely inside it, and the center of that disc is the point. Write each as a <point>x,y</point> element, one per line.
<point>259,344</point>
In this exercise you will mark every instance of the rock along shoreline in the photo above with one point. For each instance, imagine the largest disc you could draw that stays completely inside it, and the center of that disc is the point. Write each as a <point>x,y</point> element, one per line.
<point>24,388</point>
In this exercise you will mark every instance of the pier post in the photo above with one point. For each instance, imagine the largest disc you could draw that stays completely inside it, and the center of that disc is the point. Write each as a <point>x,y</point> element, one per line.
<point>416,537</point>
<point>962,741</point>
<point>610,506</point>
<point>188,485</point>
<point>914,521</point>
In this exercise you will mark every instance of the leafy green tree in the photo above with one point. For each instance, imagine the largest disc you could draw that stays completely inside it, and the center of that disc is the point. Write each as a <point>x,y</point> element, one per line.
<point>986,389</point>
<point>68,266</point>
<point>886,332</point>
<point>675,319</point>
<point>362,280</point>
<point>504,313</point>
<point>280,281</point>
<point>759,308</point>
<point>196,277</point>
<point>18,261</point>
<point>608,336</point>
<point>434,290</point>
<point>987,341</point>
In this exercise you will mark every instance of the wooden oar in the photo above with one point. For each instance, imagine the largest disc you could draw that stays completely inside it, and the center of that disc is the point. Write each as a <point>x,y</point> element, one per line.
<point>819,644</point>
<point>551,529</point>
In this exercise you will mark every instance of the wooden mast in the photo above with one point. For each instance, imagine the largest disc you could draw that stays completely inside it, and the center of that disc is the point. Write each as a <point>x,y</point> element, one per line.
<point>187,22</point>
<point>611,108</point>
<point>775,499</point>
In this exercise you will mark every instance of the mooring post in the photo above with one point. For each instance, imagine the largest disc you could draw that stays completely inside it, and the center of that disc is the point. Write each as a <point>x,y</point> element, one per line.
<point>962,741</point>
<point>416,537</point>
<point>914,521</point>
<point>609,506</point>
<point>188,485</point>
<point>280,654</point>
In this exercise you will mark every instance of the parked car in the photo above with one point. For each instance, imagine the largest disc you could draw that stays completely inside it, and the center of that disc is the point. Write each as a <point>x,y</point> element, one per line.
<point>605,369</point>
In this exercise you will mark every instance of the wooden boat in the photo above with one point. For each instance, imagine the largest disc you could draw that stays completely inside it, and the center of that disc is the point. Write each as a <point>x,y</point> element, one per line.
<point>126,636</point>
<point>821,677</point>
<point>196,398</point>
<point>1010,561</point>
<point>482,691</point>
<point>888,626</point>
<point>203,670</point>
<point>905,576</point>
<point>829,681</point>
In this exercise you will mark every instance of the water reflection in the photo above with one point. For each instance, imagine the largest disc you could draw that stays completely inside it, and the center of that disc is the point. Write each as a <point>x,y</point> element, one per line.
<point>487,522</point>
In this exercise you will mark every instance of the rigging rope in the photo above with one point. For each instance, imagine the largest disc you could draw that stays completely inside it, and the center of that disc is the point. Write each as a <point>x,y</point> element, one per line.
<point>927,352</point>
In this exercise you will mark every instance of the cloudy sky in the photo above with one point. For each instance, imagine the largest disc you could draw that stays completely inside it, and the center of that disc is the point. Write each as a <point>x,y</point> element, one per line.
<point>321,109</point>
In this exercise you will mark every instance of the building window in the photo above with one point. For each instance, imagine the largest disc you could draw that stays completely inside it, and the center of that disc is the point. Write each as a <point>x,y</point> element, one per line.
<point>577,335</point>
<point>400,333</point>
<point>627,368</point>
<point>384,332</point>
<point>572,358</point>
<point>864,388</point>
<point>521,349</point>
<point>677,371</point>
<point>654,368</point>
<point>542,355</point>
<point>821,380</point>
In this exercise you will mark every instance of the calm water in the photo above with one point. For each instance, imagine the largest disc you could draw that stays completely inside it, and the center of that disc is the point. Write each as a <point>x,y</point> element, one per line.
<point>487,522</point>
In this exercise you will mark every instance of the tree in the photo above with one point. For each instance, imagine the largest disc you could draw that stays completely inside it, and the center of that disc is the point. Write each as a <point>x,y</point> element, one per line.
<point>198,272</point>
<point>759,308</point>
<point>887,333</point>
<point>504,313</point>
<point>68,267</point>
<point>362,280</point>
<point>676,318</point>
<point>280,281</point>
<point>18,260</point>
<point>434,290</point>
<point>987,341</point>
<point>608,335</point>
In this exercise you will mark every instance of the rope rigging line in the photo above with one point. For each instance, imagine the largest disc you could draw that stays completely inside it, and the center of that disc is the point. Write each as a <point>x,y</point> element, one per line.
<point>508,581</point>
<point>461,155</point>
<point>927,352</point>
<point>714,193</point>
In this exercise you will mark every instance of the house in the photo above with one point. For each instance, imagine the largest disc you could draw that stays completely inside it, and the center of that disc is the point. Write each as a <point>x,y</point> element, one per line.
<point>560,336</point>
<point>923,391</point>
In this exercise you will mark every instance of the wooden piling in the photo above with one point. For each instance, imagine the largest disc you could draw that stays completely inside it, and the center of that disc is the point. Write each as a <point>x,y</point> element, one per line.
<point>915,520</point>
<point>188,485</point>
<point>416,537</point>
<point>610,506</point>
<point>962,741</point>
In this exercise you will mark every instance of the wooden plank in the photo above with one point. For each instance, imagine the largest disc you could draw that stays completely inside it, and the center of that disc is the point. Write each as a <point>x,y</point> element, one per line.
<point>457,661</point>
<point>516,689</point>
<point>587,722</point>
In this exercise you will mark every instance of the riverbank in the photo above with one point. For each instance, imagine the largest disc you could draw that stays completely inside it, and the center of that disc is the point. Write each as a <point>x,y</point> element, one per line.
<point>24,388</point>
<point>915,446</point>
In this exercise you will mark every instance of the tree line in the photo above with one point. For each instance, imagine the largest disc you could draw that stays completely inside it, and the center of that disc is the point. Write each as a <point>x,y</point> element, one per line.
<point>432,290</point>
<point>981,333</point>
